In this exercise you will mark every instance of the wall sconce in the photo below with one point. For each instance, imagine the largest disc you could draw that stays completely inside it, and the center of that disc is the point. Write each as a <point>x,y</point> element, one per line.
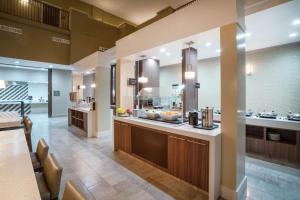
<point>148,89</point>
<point>80,87</point>
<point>24,2</point>
<point>93,85</point>
<point>249,69</point>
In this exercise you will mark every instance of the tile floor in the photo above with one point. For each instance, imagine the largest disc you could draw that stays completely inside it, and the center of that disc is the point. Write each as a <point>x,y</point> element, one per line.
<point>104,174</point>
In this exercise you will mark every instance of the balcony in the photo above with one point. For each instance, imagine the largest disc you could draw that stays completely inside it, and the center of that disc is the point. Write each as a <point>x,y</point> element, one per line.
<point>36,11</point>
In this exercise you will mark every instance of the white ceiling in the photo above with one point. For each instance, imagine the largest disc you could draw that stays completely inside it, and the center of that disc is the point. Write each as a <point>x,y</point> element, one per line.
<point>267,28</point>
<point>29,64</point>
<point>135,11</point>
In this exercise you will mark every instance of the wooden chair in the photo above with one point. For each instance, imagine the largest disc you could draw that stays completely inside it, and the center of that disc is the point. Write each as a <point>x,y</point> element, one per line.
<point>49,181</point>
<point>72,192</point>
<point>27,130</point>
<point>38,157</point>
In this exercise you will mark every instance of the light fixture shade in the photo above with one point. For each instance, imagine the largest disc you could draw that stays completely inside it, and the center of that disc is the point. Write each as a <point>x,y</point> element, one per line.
<point>142,79</point>
<point>2,84</point>
<point>93,85</point>
<point>189,75</point>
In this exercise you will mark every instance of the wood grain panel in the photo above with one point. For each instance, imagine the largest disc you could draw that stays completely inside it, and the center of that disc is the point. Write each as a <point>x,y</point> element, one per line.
<point>117,136</point>
<point>198,164</point>
<point>255,145</point>
<point>190,93</point>
<point>150,145</point>
<point>177,157</point>
<point>125,135</point>
<point>281,151</point>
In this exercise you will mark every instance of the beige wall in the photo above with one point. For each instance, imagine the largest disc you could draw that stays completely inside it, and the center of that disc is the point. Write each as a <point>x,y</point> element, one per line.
<point>276,75</point>
<point>124,93</point>
<point>87,35</point>
<point>77,80</point>
<point>35,43</point>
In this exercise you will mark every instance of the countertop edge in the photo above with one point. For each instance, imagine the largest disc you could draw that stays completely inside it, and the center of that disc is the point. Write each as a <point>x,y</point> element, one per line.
<point>184,130</point>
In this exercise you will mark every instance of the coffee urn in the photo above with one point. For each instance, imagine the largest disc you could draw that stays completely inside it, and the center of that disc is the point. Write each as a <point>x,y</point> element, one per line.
<point>207,117</point>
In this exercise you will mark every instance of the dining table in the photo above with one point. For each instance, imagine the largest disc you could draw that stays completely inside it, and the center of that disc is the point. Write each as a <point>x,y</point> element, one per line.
<point>17,178</point>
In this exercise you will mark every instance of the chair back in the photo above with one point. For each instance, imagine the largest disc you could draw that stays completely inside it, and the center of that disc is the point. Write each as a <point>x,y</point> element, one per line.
<point>72,192</point>
<point>28,125</point>
<point>42,151</point>
<point>52,175</point>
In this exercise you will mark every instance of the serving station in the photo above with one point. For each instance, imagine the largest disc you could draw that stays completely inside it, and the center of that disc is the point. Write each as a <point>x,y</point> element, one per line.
<point>276,140</point>
<point>82,121</point>
<point>179,149</point>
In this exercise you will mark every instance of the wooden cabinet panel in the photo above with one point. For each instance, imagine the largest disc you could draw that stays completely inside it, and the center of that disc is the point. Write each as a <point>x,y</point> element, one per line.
<point>122,135</point>
<point>177,157</point>
<point>150,145</point>
<point>255,145</point>
<point>125,132</point>
<point>198,164</point>
<point>189,160</point>
<point>117,136</point>
<point>281,151</point>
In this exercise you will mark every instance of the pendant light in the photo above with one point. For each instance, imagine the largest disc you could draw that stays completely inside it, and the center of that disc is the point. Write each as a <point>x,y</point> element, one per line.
<point>189,74</point>
<point>2,84</point>
<point>142,79</point>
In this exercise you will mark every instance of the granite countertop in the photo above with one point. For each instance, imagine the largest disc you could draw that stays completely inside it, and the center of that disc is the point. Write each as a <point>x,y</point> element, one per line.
<point>182,129</point>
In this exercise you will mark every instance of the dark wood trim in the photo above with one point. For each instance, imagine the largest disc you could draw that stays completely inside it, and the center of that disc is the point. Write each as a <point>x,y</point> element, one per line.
<point>190,93</point>
<point>113,76</point>
<point>49,92</point>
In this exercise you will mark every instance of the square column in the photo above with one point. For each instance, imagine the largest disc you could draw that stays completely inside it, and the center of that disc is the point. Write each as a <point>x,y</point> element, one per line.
<point>233,179</point>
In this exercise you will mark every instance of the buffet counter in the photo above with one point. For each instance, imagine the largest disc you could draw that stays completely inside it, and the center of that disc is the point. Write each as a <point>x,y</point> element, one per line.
<point>169,146</point>
<point>274,123</point>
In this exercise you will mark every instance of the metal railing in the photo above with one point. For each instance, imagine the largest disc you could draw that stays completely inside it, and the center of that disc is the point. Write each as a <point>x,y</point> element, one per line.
<point>36,11</point>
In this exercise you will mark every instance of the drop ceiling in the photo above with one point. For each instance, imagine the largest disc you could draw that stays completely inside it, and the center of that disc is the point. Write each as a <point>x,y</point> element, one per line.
<point>267,28</point>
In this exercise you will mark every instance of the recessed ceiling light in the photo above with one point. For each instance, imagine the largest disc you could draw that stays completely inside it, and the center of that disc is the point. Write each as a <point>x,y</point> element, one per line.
<point>293,35</point>
<point>162,50</point>
<point>17,62</point>
<point>168,53</point>
<point>218,50</point>
<point>296,22</point>
<point>207,44</point>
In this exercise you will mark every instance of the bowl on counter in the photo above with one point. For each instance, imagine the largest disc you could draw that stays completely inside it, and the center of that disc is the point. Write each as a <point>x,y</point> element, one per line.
<point>152,114</point>
<point>169,115</point>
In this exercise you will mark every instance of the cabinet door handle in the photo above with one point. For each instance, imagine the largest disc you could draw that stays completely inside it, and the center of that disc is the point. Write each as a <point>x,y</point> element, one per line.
<point>177,138</point>
<point>203,144</point>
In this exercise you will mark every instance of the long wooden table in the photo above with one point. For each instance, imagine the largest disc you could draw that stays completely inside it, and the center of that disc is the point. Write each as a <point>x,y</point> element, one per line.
<point>17,179</point>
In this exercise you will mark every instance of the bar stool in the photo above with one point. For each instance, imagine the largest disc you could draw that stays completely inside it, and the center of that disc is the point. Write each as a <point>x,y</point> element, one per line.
<point>49,181</point>
<point>28,128</point>
<point>72,192</point>
<point>38,157</point>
